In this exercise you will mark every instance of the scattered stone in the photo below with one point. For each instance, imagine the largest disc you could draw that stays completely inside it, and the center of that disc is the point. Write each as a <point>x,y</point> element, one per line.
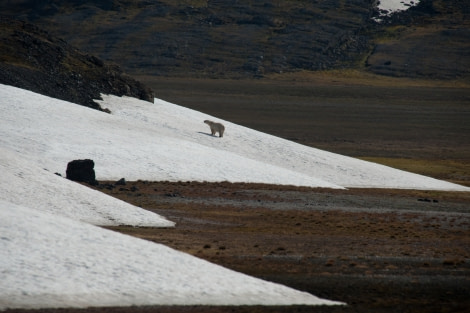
<point>121,182</point>
<point>108,186</point>
<point>173,194</point>
<point>428,200</point>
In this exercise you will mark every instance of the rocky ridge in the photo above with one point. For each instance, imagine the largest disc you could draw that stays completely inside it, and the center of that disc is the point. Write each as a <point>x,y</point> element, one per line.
<point>33,59</point>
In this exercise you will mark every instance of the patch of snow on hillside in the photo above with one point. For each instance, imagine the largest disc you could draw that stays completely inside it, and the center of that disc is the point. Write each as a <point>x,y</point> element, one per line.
<point>48,261</point>
<point>276,154</point>
<point>145,142</point>
<point>388,7</point>
<point>24,183</point>
<point>164,141</point>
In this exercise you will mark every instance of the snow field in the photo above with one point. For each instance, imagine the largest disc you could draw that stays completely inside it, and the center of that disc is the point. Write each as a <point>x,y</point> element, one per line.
<point>49,261</point>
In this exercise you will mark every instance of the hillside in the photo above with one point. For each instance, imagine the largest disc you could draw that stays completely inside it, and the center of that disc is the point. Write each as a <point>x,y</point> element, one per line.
<point>33,59</point>
<point>252,38</point>
<point>426,41</point>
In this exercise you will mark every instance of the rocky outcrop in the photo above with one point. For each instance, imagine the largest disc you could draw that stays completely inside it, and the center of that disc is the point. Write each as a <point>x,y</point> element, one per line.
<point>32,59</point>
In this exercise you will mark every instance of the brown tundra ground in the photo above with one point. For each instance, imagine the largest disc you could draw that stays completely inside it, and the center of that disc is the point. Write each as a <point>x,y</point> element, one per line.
<point>378,250</point>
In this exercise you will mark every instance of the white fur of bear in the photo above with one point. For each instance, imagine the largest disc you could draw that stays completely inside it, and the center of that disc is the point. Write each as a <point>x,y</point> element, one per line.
<point>216,128</point>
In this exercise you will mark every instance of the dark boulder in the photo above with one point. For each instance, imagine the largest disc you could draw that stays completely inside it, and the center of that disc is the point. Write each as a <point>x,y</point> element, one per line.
<point>82,171</point>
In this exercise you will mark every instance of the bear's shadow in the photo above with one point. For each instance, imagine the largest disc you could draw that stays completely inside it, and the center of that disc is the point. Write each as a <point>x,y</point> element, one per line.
<point>208,134</point>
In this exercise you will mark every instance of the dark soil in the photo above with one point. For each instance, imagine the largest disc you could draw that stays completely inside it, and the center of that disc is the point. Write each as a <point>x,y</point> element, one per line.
<point>377,250</point>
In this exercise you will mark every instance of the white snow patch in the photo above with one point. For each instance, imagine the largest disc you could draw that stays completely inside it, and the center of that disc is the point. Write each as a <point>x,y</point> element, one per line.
<point>237,156</point>
<point>164,141</point>
<point>393,6</point>
<point>25,184</point>
<point>389,7</point>
<point>49,261</point>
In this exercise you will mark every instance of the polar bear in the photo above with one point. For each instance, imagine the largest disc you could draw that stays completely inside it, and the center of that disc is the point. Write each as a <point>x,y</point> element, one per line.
<point>216,127</point>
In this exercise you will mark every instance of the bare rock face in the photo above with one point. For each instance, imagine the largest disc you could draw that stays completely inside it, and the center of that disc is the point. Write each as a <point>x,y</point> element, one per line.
<point>32,59</point>
<point>82,171</point>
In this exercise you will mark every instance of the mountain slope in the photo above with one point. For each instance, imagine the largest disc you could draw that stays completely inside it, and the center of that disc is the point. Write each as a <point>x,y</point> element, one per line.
<point>429,40</point>
<point>32,59</point>
<point>250,38</point>
<point>208,38</point>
